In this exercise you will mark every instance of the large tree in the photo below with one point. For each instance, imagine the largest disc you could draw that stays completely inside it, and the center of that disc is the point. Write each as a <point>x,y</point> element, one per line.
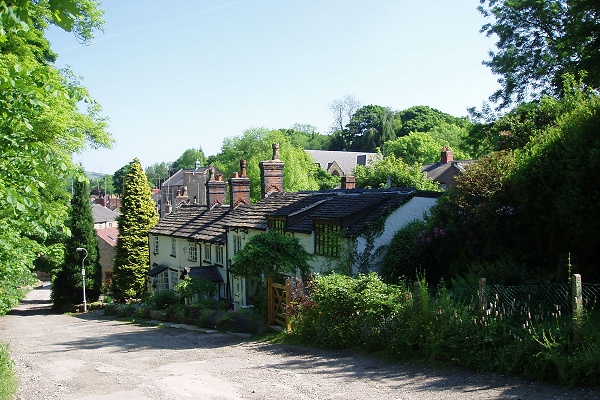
<point>255,145</point>
<point>538,42</point>
<point>45,117</point>
<point>188,159</point>
<point>399,174</point>
<point>138,215</point>
<point>369,128</point>
<point>342,111</point>
<point>67,285</point>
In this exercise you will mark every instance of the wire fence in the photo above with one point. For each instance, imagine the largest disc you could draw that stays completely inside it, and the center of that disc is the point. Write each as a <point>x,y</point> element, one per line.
<point>546,297</point>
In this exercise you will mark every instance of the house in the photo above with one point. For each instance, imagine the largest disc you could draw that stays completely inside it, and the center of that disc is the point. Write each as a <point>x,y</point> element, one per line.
<point>107,232</point>
<point>104,217</point>
<point>340,163</point>
<point>345,229</point>
<point>186,186</point>
<point>107,240</point>
<point>191,240</point>
<point>445,171</point>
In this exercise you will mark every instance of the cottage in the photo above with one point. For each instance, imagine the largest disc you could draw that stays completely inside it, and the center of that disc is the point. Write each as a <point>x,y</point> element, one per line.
<point>340,163</point>
<point>445,171</point>
<point>346,229</point>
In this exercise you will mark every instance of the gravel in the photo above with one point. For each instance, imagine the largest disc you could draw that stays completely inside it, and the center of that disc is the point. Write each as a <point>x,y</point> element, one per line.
<point>89,356</point>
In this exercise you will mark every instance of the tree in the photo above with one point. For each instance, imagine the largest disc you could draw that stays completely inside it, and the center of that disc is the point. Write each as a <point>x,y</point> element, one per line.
<point>399,173</point>
<point>255,145</point>
<point>118,179</point>
<point>342,111</point>
<point>538,43</point>
<point>188,159</point>
<point>138,215</point>
<point>67,286</point>
<point>269,254</point>
<point>46,117</point>
<point>157,173</point>
<point>370,127</point>
<point>416,147</point>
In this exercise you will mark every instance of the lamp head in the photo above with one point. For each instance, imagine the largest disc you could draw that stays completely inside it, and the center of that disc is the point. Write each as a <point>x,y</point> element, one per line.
<point>80,249</point>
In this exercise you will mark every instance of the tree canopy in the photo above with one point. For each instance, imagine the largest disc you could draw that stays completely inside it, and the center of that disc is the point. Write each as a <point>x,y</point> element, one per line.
<point>46,116</point>
<point>538,43</point>
<point>399,173</point>
<point>188,159</point>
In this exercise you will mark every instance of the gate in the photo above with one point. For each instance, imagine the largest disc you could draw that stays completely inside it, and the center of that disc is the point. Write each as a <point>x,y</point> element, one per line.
<point>279,298</point>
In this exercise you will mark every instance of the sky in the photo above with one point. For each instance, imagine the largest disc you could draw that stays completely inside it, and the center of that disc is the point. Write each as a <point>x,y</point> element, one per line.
<point>173,75</point>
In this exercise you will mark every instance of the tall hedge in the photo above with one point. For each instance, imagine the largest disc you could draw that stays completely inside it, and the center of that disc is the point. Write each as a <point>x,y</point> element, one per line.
<point>138,215</point>
<point>67,285</point>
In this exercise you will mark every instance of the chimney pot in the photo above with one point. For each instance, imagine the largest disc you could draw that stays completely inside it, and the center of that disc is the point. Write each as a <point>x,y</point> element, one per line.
<point>447,155</point>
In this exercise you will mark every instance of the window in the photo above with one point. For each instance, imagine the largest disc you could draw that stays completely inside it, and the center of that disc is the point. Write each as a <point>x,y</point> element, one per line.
<point>327,240</point>
<point>161,281</point>
<point>237,244</point>
<point>277,225</point>
<point>219,255</point>
<point>207,255</point>
<point>193,252</point>
<point>173,277</point>
<point>173,247</point>
<point>155,244</point>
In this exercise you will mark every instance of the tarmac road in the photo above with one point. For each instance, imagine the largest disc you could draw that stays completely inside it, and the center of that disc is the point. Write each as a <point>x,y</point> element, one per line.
<point>90,356</point>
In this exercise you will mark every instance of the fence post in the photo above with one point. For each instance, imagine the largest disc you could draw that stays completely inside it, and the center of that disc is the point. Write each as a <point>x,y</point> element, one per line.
<point>288,302</point>
<point>482,295</point>
<point>577,304</point>
<point>270,300</point>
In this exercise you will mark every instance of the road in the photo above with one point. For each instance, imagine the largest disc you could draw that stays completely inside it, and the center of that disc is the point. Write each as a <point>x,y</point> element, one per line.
<point>89,356</point>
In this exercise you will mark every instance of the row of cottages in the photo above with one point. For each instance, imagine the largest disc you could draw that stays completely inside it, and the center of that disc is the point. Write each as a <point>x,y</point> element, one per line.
<point>345,229</point>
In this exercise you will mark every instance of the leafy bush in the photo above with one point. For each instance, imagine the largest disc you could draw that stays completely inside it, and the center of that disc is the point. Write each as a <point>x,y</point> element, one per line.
<point>162,299</point>
<point>194,289</point>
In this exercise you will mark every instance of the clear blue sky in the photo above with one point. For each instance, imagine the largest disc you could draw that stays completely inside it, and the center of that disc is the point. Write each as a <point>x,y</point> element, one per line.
<point>173,75</point>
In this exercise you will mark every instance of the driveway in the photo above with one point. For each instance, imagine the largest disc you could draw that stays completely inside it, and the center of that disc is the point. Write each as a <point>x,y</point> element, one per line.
<point>90,356</point>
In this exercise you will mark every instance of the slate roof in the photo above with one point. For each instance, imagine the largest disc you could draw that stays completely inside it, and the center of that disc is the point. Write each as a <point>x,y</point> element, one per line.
<point>177,178</point>
<point>194,222</point>
<point>353,208</point>
<point>345,160</point>
<point>103,214</point>
<point>435,170</point>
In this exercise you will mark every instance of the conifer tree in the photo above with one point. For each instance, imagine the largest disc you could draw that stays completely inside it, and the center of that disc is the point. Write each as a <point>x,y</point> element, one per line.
<point>138,215</point>
<point>67,285</point>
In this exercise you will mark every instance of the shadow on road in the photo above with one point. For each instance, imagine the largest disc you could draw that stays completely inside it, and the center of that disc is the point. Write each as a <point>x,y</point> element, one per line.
<point>37,303</point>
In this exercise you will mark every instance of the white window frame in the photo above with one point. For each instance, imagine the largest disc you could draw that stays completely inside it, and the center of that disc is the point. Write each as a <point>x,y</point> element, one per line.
<point>207,254</point>
<point>237,244</point>
<point>173,247</point>
<point>193,252</point>
<point>219,255</point>
<point>155,244</point>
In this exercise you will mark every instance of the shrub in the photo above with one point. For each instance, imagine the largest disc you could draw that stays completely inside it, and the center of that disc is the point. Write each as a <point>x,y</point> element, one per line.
<point>162,299</point>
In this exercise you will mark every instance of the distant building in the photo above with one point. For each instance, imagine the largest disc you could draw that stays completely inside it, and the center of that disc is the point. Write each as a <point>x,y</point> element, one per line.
<point>445,171</point>
<point>340,163</point>
<point>107,240</point>
<point>104,217</point>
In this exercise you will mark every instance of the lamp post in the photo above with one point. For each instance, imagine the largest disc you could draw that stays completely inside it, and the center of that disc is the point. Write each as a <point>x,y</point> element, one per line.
<point>83,276</point>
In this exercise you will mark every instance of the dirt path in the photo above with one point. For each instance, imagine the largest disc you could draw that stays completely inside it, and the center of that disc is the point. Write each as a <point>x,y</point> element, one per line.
<point>93,357</point>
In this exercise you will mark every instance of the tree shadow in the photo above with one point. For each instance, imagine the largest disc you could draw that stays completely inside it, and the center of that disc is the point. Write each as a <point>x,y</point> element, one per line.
<point>40,304</point>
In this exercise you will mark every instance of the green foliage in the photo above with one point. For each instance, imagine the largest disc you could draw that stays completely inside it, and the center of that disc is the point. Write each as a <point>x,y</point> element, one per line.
<point>8,379</point>
<point>45,117</point>
<point>118,178</point>
<point>404,256</point>
<point>369,128</point>
<point>375,175</point>
<point>157,173</point>
<point>427,119</point>
<point>538,43</point>
<point>347,312</point>
<point>194,290</point>
<point>255,145</point>
<point>188,159</point>
<point>364,313</point>
<point>138,215</point>
<point>270,254</point>
<point>67,285</point>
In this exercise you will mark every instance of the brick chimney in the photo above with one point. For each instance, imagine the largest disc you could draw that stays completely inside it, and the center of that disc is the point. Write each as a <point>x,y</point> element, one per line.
<point>348,182</point>
<point>447,155</point>
<point>215,188</point>
<point>271,174</point>
<point>239,191</point>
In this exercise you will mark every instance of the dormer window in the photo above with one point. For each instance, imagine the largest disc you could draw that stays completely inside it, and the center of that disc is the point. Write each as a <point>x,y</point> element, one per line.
<point>328,238</point>
<point>277,225</point>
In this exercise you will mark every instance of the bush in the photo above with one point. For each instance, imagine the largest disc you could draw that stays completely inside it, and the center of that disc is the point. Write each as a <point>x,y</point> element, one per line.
<point>162,299</point>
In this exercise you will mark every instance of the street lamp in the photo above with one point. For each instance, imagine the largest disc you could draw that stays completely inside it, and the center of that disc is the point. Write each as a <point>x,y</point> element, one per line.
<point>83,276</point>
